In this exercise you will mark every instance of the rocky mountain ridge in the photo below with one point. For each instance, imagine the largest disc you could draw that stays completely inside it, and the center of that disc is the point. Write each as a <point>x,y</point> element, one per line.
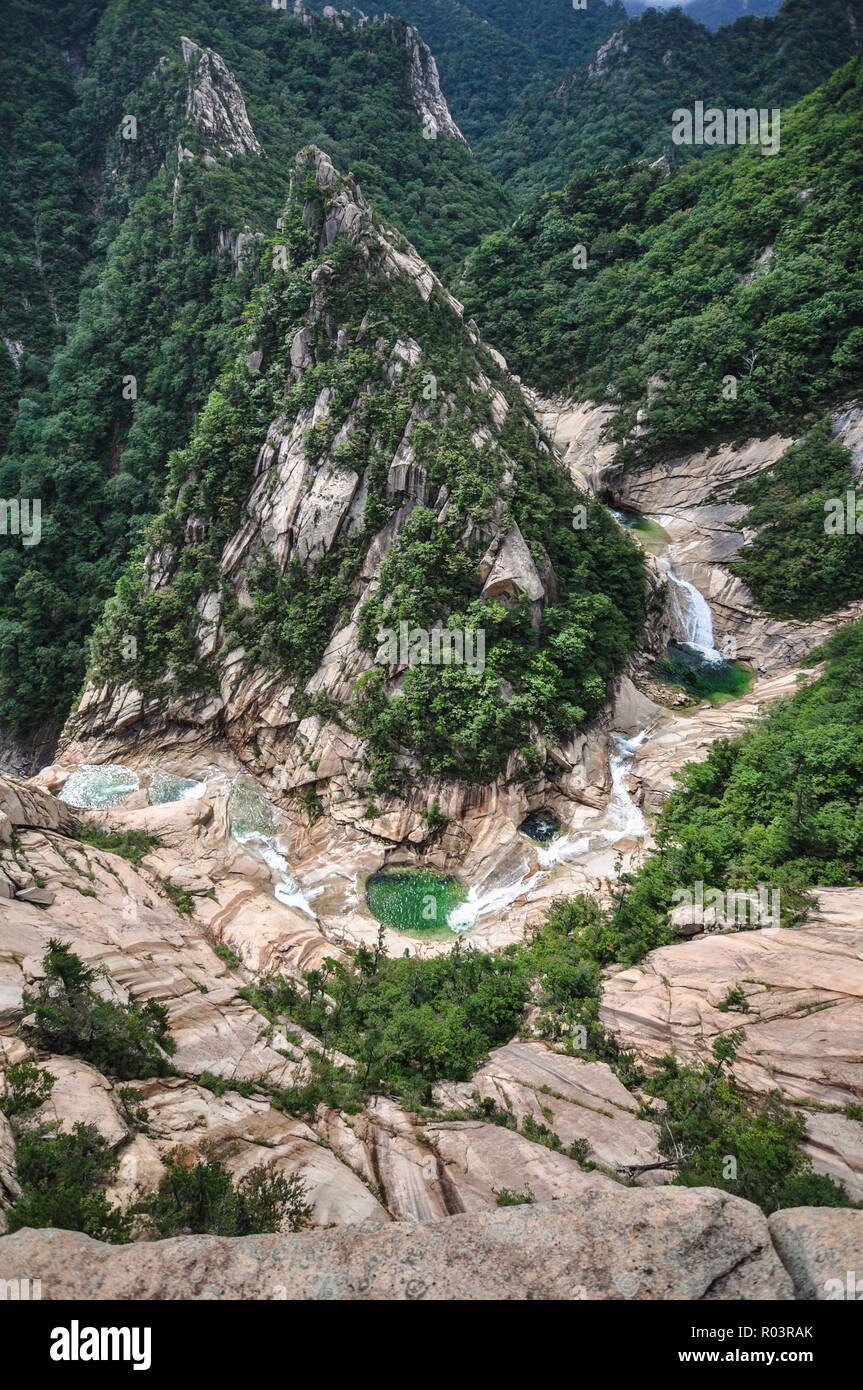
<point>305,508</point>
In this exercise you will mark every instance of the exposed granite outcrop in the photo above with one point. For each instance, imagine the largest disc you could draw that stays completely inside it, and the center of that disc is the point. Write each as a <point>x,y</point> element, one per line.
<point>215,104</point>
<point>689,497</point>
<point>692,1243</point>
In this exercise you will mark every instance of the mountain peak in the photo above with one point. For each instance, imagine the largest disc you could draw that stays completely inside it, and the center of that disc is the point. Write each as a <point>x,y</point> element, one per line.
<point>215,104</point>
<point>343,211</point>
<point>425,86</point>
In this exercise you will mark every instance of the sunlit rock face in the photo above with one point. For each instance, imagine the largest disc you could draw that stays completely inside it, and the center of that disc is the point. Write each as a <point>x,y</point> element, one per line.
<point>679,1244</point>
<point>215,104</point>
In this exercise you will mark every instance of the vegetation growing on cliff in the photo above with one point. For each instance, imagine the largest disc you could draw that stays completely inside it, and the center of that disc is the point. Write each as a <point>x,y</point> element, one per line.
<point>716,1136</point>
<point>548,673</point>
<point>199,1196</point>
<point>108,386</point>
<point>723,301</point>
<point>63,1176</point>
<point>126,1040</point>
<point>489,52</point>
<point>619,107</point>
<point>795,567</point>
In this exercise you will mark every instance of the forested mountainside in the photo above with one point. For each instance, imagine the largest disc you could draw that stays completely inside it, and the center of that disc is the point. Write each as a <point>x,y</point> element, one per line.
<point>712,13</point>
<point>618,107</point>
<point>715,13</point>
<point>455,801</point>
<point>489,52</point>
<point>738,266</point>
<point>351,88</point>
<point>162,233</point>
<point>715,303</point>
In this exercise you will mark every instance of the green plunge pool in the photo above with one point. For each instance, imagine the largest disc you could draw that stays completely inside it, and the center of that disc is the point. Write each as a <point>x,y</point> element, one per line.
<point>651,535</point>
<point>685,665</point>
<point>419,901</point>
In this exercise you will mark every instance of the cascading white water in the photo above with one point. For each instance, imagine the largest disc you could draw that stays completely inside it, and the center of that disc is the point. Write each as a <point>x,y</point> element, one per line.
<point>481,901</point>
<point>253,824</point>
<point>621,813</point>
<point>694,618</point>
<point>620,818</point>
<point>565,847</point>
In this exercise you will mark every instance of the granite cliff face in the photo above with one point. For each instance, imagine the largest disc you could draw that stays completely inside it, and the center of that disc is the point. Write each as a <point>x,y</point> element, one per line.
<point>215,104</point>
<point>426,92</point>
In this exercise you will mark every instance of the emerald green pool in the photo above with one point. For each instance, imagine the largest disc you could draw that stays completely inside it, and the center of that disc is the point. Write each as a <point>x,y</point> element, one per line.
<point>651,535</point>
<point>414,900</point>
<point>704,680</point>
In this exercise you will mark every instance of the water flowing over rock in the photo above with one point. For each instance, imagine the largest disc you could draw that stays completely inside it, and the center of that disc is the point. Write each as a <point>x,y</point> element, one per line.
<point>301,510</point>
<point>685,495</point>
<point>383,1163</point>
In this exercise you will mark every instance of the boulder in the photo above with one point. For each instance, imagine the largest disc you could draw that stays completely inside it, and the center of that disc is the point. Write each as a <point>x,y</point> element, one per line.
<point>693,1243</point>
<point>822,1249</point>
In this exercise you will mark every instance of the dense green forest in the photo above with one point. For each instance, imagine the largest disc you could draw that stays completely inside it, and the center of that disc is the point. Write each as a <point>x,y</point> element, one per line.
<point>622,110</point>
<point>345,89</point>
<point>733,285</point>
<point>490,52</point>
<point>806,557</point>
<point>107,386</point>
<point>46,197</point>
<point>715,13</point>
<point>712,13</point>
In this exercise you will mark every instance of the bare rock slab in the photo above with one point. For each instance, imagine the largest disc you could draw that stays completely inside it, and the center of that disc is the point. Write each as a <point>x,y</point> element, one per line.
<point>822,1249</point>
<point>694,1243</point>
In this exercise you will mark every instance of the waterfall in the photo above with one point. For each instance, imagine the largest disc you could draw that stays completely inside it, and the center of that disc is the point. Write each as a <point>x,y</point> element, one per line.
<point>622,814</point>
<point>694,617</point>
<point>620,817</point>
<point>481,901</point>
<point>252,819</point>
